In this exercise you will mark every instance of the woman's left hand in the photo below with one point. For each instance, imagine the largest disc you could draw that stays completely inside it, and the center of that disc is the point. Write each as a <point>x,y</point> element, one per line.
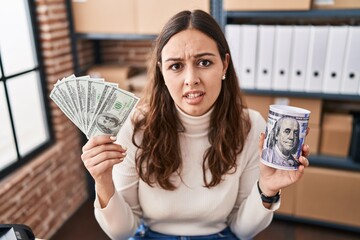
<point>272,179</point>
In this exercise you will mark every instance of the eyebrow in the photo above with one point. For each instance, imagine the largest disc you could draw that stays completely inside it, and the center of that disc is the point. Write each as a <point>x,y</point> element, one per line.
<point>196,56</point>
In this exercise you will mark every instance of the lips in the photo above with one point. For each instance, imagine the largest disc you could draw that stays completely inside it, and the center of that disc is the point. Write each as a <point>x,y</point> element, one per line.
<point>194,97</point>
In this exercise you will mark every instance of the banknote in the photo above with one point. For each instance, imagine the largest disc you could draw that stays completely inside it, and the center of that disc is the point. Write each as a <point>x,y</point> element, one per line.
<point>95,106</point>
<point>114,110</point>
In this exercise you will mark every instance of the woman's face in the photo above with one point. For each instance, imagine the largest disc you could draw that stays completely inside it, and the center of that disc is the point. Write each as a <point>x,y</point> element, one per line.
<point>192,69</point>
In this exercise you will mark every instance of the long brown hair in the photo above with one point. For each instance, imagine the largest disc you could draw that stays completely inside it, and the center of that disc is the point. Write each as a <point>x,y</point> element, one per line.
<point>159,156</point>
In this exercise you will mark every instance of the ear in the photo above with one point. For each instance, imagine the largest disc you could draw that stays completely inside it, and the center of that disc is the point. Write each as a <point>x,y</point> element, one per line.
<point>226,63</point>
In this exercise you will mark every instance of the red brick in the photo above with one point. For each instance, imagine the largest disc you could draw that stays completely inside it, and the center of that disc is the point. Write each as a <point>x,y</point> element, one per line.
<point>53,184</point>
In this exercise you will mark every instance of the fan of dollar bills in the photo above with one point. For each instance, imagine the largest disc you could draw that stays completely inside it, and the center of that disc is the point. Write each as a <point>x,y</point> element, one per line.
<point>95,106</point>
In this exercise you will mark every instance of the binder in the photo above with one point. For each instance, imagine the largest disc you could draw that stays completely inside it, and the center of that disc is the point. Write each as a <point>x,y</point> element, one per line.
<point>232,34</point>
<point>316,59</point>
<point>299,57</point>
<point>335,59</point>
<point>282,54</point>
<point>265,53</point>
<point>248,50</point>
<point>351,69</point>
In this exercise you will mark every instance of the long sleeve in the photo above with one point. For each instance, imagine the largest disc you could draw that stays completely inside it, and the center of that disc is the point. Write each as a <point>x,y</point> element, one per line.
<point>249,216</point>
<point>121,217</point>
<point>191,209</point>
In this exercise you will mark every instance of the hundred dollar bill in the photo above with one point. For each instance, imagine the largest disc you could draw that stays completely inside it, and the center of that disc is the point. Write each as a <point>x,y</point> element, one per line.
<point>96,88</point>
<point>81,87</point>
<point>282,119</point>
<point>113,112</point>
<point>96,107</point>
<point>72,89</point>
<point>65,95</point>
<point>97,95</point>
<point>63,107</point>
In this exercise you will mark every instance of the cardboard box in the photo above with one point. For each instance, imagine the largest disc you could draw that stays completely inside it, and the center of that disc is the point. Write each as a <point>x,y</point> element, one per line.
<point>336,134</point>
<point>152,15</point>
<point>113,73</point>
<point>137,83</point>
<point>336,4</point>
<point>266,5</point>
<point>313,139</point>
<point>313,105</point>
<point>106,16</point>
<point>259,103</point>
<point>329,195</point>
<point>288,200</point>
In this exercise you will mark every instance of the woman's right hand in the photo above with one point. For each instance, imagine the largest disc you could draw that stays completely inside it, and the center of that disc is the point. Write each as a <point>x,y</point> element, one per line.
<point>99,156</point>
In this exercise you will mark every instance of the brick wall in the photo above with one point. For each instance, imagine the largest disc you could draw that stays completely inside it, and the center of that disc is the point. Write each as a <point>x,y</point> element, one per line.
<point>134,52</point>
<point>85,50</point>
<point>48,190</point>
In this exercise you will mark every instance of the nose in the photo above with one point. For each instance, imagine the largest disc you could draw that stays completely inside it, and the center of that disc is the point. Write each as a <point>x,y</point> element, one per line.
<point>191,77</point>
<point>291,135</point>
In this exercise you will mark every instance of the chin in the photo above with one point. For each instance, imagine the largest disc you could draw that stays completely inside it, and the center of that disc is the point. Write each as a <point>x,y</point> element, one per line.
<point>197,112</point>
<point>191,111</point>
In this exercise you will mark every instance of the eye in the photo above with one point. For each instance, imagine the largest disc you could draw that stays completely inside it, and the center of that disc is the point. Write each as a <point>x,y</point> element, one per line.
<point>204,63</point>
<point>175,66</point>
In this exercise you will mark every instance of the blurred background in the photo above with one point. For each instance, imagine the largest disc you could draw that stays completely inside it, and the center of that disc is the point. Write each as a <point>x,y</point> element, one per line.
<point>302,53</point>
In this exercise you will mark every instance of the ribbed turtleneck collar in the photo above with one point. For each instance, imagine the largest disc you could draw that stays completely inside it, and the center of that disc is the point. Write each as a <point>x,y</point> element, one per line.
<point>195,125</point>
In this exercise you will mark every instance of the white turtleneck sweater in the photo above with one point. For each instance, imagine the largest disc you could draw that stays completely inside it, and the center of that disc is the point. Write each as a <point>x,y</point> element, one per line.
<point>191,209</point>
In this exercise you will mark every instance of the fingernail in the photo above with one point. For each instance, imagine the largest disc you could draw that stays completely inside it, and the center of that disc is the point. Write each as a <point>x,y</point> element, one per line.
<point>113,138</point>
<point>125,148</point>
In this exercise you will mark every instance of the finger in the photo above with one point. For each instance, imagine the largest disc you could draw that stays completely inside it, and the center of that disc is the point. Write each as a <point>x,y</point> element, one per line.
<point>261,141</point>
<point>306,150</point>
<point>304,161</point>
<point>102,153</point>
<point>102,148</point>
<point>103,157</point>
<point>94,152</point>
<point>301,170</point>
<point>97,170</point>
<point>98,140</point>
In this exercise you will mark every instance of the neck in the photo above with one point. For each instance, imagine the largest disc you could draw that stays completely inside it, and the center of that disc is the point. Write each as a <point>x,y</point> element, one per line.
<point>195,124</point>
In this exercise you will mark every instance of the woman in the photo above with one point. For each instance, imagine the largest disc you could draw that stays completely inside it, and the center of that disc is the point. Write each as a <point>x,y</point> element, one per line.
<point>187,164</point>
